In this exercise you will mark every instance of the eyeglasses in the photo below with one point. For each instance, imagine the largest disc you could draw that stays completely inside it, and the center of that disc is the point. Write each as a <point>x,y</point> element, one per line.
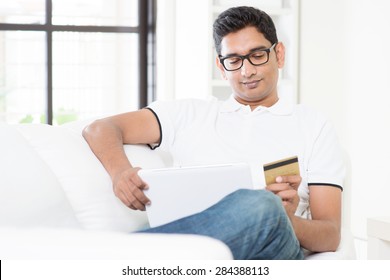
<point>256,58</point>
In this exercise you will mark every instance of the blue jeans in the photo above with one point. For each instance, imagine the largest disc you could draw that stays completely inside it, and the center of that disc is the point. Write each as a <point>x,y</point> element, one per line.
<point>252,223</point>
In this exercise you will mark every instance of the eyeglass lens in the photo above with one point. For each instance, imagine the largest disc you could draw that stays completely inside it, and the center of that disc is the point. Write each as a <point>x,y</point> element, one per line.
<point>256,58</point>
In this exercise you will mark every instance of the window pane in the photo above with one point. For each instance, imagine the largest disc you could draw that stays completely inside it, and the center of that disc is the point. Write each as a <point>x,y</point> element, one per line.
<point>94,74</point>
<point>22,77</point>
<point>95,12</point>
<point>22,11</point>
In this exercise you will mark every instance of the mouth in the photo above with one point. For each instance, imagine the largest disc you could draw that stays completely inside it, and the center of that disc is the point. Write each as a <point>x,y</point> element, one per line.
<point>251,84</point>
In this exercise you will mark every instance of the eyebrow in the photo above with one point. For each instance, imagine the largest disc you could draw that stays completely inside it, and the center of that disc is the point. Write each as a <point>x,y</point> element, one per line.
<point>260,48</point>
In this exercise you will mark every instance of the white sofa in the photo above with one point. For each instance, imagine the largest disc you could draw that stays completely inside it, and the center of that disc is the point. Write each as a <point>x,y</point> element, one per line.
<point>56,202</point>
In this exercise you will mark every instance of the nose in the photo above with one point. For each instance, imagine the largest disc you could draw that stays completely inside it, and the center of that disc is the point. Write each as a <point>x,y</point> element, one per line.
<point>247,68</point>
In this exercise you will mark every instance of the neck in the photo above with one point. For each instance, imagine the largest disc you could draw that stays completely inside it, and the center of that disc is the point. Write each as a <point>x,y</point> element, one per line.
<point>253,104</point>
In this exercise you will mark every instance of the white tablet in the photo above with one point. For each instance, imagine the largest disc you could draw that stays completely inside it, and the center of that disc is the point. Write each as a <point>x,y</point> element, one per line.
<point>179,192</point>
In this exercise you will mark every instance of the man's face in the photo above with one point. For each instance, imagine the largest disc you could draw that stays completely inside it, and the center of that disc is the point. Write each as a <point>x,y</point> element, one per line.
<point>252,85</point>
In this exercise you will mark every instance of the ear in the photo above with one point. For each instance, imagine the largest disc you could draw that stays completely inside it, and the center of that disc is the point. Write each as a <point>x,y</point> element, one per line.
<point>280,52</point>
<point>220,67</point>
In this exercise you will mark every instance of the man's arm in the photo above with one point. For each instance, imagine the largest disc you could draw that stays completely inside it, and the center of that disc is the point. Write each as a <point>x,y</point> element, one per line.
<point>322,232</point>
<point>106,138</point>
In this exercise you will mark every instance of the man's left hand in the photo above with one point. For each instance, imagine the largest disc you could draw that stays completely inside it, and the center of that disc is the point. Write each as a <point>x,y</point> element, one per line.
<point>286,187</point>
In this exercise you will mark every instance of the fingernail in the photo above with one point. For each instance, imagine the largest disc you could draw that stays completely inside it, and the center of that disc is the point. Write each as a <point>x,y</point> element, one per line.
<point>279,179</point>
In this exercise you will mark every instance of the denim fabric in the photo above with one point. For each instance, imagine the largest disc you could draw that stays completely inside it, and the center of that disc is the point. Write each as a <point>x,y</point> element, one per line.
<point>252,223</point>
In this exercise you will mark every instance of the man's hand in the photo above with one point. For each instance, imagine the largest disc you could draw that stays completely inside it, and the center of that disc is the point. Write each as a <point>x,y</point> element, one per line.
<point>286,188</point>
<point>128,187</point>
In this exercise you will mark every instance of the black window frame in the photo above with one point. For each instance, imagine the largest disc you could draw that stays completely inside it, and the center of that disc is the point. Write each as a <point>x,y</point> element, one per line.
<point>146,30</point>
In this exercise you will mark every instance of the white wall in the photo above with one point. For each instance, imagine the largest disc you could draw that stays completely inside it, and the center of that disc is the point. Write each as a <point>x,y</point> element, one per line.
<point>166,47</point>
<point>368,113</point>
<point>322,58</point>
<point>183,49</point>
<point>345,62</point>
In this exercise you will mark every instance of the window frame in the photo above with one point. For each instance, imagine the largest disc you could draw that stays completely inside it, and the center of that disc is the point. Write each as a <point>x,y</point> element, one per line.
<point>146,30</point>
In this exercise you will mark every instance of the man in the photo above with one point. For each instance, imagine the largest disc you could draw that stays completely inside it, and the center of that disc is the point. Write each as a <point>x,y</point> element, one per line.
<point>254,126</point>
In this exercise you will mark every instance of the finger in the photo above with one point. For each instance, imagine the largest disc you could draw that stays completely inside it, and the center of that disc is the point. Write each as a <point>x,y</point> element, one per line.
<point>136,179</point>
<point>122,197</point>
<point>275,188</point>
<point>140,196</point>
<point>131,195</point>
<point>287,195</point>
<point>124,193</point>
<point>293,180</point>
<point>135,202</point>
<point>136,197</point>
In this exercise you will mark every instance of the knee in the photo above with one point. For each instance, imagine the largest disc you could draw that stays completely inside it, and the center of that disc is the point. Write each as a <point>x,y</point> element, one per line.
<point>257,202</point>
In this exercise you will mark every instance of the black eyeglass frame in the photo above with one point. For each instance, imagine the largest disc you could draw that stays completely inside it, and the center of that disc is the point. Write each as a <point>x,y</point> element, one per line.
<point>247,56</point>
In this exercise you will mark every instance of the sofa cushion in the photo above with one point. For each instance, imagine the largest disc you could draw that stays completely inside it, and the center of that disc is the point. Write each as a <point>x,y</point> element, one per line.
<point>84,179</point>
<point>30,194</point>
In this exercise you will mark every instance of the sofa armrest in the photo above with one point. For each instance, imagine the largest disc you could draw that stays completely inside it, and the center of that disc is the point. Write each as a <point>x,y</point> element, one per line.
<point>346,250</point>
<point>51,243</point>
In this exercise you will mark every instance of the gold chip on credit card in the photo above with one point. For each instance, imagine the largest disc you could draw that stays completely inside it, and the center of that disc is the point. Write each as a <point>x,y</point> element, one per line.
<point>288,166</point>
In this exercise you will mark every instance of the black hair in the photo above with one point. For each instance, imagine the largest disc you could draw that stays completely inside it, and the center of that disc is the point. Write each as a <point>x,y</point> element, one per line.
<point>237,18</point>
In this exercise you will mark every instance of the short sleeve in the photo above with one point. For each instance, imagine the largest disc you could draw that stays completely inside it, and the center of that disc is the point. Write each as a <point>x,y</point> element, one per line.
<point>160,110</point>
<point>174,117</point>
<point>326,163</point>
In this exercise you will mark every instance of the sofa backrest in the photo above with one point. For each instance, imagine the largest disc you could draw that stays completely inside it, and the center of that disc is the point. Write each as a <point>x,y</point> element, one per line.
<point>82,177</point>
<point>30,194</point>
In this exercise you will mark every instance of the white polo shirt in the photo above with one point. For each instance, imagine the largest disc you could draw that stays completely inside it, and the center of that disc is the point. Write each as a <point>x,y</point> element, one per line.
<point>198,132</point>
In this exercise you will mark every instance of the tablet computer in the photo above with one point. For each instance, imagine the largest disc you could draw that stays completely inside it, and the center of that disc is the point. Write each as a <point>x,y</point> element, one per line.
<point>178,192</point>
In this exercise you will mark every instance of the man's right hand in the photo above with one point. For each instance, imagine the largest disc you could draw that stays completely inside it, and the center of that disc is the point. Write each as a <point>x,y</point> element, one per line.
<point>128,187</point>
<point>106,138</point>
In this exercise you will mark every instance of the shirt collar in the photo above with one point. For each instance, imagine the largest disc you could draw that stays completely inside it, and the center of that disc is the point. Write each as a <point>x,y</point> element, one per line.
<point>284,106</point>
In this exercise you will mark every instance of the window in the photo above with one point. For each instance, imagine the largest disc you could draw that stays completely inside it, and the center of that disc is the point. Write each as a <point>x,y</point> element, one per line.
<point>62,60</point>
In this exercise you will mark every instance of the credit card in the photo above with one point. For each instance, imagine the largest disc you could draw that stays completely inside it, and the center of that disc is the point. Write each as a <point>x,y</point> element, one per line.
<point>283,167</point>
